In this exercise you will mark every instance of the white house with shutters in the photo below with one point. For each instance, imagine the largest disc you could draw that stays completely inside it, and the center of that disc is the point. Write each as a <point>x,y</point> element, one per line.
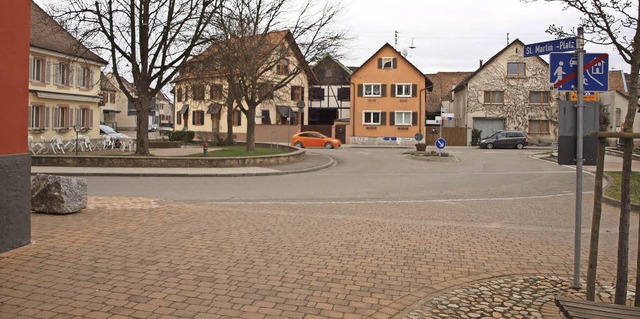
<point>64,81</point>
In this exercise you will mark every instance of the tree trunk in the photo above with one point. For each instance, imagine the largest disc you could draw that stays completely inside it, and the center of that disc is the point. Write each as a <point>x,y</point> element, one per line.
<point>595,222</point>
<point>251,129</point>
<point>142,120</point>
<point>229,139</point>
<point>625,192</point>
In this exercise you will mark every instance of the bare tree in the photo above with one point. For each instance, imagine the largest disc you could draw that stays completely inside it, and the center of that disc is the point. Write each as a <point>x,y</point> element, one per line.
<point>260,50</point>
<point>615,23</point>
<point>146,39</point>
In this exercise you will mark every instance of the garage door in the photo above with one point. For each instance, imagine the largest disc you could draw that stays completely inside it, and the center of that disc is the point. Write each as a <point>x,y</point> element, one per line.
<point>488,126</point>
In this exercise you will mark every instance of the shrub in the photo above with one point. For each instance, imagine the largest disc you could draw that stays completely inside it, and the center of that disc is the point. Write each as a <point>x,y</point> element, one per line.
<point>476,135</point>
<point>183,136</point>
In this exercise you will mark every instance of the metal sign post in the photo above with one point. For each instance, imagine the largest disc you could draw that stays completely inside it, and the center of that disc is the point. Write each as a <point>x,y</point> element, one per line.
<point>579,141</point>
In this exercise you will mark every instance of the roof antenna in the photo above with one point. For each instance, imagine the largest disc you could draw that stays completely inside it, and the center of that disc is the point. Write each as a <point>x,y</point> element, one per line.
<point>395,35</point>
<point>412,46</point>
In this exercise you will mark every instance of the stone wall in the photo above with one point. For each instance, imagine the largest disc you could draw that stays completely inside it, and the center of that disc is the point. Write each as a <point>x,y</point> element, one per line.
<point>402,141</point>
<point>15,202</point>
<point>156,161</point>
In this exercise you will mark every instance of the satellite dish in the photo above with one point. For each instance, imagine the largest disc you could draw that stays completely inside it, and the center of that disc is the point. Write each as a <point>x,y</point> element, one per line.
<point>405,52</point>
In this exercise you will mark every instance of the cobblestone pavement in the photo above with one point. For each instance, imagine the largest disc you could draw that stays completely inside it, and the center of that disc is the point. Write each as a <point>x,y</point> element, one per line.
<point>141,258</point>
<point>517,297</point>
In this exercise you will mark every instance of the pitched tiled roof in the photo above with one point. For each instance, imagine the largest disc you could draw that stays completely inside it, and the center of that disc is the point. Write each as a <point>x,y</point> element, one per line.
<point>105,84</point>
<point>273,37</point>
<point>330,71</point>
<point>398,54</point>
<point>47,34</point>
<point>442,85</point>
<point>617,81</point>
<point>465,81</point>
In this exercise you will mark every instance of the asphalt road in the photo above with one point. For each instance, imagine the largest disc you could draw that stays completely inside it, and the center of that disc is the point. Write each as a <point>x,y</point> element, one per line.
<point>370,175</point>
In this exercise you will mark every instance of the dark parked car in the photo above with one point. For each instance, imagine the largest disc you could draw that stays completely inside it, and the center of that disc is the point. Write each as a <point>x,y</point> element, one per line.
<point>505,139</point>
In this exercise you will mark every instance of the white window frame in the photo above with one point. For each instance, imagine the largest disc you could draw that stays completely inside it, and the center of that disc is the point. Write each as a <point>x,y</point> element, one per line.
<point>406,87</point>
<point>386,60</point>
<point>61,116</point>
<point>404,119</point>
<point>371,122</point>
<point>84,118</point>
<point>37,68</point>
<point>63,73</point>
<point>37,117</point>
<point>84,77</point>
<point>371,85</point>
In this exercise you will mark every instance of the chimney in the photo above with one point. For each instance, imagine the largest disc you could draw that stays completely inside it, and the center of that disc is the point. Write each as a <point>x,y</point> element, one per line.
<point>480,62</point>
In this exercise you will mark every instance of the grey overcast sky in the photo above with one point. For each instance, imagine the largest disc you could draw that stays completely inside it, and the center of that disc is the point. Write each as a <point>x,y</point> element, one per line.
<point>449,35</point>
<point>454,35</point>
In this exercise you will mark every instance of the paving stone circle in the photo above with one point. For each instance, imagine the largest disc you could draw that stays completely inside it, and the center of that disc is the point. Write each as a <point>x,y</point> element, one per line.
<point>509,297</point>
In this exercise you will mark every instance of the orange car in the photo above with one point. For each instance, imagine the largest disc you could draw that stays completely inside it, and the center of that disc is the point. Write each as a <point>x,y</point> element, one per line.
<point>314,139</point>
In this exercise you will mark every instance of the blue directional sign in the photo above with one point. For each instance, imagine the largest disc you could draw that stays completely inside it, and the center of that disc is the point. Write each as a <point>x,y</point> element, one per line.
<point>441,143</point>
<point>563,72</point>
<point>542,48</point>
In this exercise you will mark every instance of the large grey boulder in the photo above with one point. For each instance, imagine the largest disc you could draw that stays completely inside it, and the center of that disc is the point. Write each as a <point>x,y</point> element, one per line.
<point>58,194</point>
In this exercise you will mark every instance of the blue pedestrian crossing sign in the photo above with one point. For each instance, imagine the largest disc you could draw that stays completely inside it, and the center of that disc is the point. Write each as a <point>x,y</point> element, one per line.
<point>563,72</point>
<point>441,143</point>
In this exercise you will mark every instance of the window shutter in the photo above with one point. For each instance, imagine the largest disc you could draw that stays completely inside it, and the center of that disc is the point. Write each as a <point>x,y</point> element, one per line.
<point>414,90</point>
<point>56,73</point>
<point>379,63</point>
<point>78,82</point>
<point>383,118</point>
<point>45,118</point>
<point>78,117</point>
<point>70,73</point>
<point>301,93</point>
<point>414,118</point>
<point>393,91</point>
<point>90,118</point>
<point>293,93</point>
<point>383,90</point>
<point>392,118</point>
<point>90,79</point>
<point>360,89</point>
<point>31,77</point>
<point>56,117</point>
<point>30,125</point>
<point>395,63</point>
<point>70,123</point>
<point>47,72</point>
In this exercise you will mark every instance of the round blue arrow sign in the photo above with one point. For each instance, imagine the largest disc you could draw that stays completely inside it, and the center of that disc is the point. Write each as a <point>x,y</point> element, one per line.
<point>441,143</point>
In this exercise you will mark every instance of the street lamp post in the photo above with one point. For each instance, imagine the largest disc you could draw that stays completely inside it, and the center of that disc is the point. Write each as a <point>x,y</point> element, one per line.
<point>77,129</point>
<point>300,106</point>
